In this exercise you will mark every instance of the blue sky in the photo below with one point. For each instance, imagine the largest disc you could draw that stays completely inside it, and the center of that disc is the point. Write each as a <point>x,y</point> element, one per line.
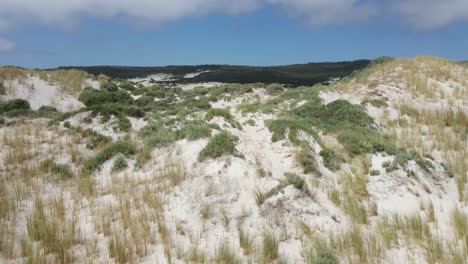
<point>247,32</point>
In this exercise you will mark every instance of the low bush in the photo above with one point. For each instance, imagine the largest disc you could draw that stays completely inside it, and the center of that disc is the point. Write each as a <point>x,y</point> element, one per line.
<point>364,140</point>
<point>295,180</point>
<point>194,130</point>
<point>91,97</point>
<point>221,144</point>
<point>330,159</point>
<point>109,86</point>
<point>306,160</point>
<point>222,113</point>
<point>374,172</point>
<point>119,147</point>
<point>127,86</point>
<point>402,158</point>
<point>14,105</point>
<point>45,108</point>
<point>119,164</point>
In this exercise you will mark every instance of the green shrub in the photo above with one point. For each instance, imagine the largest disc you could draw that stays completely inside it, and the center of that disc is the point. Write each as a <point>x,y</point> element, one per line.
<point>329,159</point>
<point>2,88</point>
<point>295,180</point>
<point>45,108</point>
<point>91,97</point>
<point>109,86</point>
<point>221,144</point>
<point>279,128</point>
<point>50,166</point>
<point>144,101</point>
<point>162,137</point>
<point>194,130</point>
<point>14,105</point>
<point>403,156</point>
<point>306,160</point>
<point>119,147</point>
<point>94,139</point>
<point>374,172</point>
<point>335,115</point>
<point>222,113</point>
<point>362,140</point>
<point>381,60</point>
<point>123,123</point>
<point>119,164</point>
<point>127,86</point>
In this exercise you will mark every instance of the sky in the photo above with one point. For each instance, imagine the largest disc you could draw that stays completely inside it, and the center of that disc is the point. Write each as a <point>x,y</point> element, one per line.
<point>51,33</point>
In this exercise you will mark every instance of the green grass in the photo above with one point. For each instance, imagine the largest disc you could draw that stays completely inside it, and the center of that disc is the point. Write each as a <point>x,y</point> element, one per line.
<point>119,147</point>
<point>321,252</point>
<point>270,247</point>
<point>221,144</point>
<point>194,130</point>
<point>225,255</point>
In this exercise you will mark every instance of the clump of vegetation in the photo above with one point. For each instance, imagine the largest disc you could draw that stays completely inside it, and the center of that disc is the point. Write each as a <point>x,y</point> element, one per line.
<point>374,172</point>
<point>321,252</point>
<point>306,160</point>
<point>270,247</point>
<point>224,113</point>
<point>330,159</point>
<point>404,156</point>
<point>50,166</point>
<point>14,105</point>
<point>119,147</point>
<point>221,144</point>
<point>109,86</point>
<point>94,140</point>
<point>194,130</point>
<point>119,164</point>
<point>375,102</point>
<point>91,97</point>
<point>294,180</point>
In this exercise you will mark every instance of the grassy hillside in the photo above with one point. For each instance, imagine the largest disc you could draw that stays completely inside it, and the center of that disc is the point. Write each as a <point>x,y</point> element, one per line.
<point>299,74</point>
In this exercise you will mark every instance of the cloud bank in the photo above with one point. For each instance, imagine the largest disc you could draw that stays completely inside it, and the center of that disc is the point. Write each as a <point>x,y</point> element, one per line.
<point>419,14</point>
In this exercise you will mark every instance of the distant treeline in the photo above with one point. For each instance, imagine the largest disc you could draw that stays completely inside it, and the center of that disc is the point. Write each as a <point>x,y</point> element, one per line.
<point>298,74</point>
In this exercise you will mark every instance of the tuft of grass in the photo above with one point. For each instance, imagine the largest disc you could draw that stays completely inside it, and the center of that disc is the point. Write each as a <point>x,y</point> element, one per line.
<point>50,166</point>
<point>374,172</point>
<point>219,145</point>
<point>245,241</point>
<point>356,211</point>
<point>460,223</point>
<point>225,255</point>
<point>321,252</point>
<point>270,247</point>
<point>119,147</point>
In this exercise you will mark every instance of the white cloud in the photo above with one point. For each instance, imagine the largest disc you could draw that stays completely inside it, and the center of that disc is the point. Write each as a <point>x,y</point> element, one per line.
<point>421,14</point>
<point>157,11</point>
<point>431,14</point>
<point>6,45</point>
<point>324,12</point>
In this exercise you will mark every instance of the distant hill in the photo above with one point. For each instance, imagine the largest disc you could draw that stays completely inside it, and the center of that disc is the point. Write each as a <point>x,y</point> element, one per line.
<point>298,74</point>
